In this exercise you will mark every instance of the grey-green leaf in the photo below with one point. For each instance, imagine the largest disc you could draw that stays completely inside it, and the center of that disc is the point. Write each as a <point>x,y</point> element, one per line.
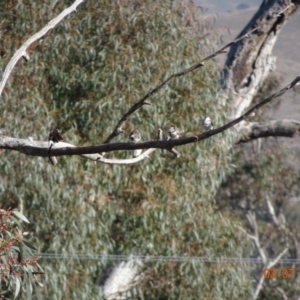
<point>20,216</point>
<point>18,286</point>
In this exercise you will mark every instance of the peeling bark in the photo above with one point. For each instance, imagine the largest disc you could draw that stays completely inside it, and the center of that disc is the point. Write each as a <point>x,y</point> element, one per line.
<point>250,61</point>
<point>255,130</point>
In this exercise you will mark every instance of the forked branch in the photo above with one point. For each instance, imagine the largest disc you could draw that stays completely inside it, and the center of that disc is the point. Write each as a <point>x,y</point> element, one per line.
<point>41,148</point>
<point>254,130</point>
<point>118,129</point>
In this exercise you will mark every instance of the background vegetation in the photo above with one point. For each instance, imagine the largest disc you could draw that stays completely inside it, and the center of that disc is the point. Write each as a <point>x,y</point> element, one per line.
<point>81,78</point>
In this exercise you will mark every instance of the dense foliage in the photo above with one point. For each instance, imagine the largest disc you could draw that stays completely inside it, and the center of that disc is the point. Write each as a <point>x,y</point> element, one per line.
<point>19,268</point>
<point>81,78</point>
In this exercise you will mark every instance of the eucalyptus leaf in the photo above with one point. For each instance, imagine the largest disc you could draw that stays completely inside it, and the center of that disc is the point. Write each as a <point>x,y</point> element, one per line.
<point>18,287</point>
<point>20,216</point>
<point>29,246</point>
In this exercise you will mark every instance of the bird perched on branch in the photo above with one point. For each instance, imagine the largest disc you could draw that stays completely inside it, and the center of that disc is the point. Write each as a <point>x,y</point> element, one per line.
<point>207,123</point>
<point>54,137</point>
<point>135,137</point>
<point>174,133</point>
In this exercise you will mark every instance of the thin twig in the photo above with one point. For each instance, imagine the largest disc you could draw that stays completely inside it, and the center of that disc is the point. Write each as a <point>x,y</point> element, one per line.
<point>41,148</point>
<point>118,129</point>
<point>272,212</point>
<point>282,11</point>
<point>251,110</point>
<point>269,266</point>
<point>255,237</point>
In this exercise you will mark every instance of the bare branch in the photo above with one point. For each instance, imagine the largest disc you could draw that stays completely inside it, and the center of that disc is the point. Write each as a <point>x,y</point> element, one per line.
<point>257,106</point>
<point>254,130</point>
<point>41,148</point>
<point>272,212</point>
<point>21,52</point>
<point>37,148</point>
<point>132,160</point>
<point>118,129</point>
<point>279,222</point>
<point>143,101</point>
<point>269,266</point>
<point>255,237</point>
<point>126,161</point>
<point>283,294</point>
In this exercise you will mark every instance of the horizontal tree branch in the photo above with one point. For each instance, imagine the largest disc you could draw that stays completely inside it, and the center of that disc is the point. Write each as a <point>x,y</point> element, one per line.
<point>21,52</point>
<point>37,148</point>
<point>254,130</point>
<point>118,129</point>
<point>247,33</point>
<point>40,148</point>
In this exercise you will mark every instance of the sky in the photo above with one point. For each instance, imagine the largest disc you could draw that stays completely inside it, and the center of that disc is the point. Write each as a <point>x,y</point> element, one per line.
<point>222,6</point>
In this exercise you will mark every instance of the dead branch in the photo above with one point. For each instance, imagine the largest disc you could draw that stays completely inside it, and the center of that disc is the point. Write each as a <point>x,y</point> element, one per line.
<point>254,130</point>
<point>132,160</point>
<point>118,129</point>
<point>249,30</point>
<point>21,52</point>
<point>282,293</point>
<point>36,148</point>
<point>250,215</point>
<point>269,266</point>
<point>126,161</point>
<point>255,237</point>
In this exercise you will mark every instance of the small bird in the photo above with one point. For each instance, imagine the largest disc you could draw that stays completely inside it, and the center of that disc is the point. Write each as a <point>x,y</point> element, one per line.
<point>174,133</point>
<point>54,137</point>
<point>135,137</point>
<point>207,123</point>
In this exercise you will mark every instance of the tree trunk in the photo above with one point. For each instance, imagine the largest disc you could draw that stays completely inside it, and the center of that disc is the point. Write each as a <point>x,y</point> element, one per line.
<point>250,61</point>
